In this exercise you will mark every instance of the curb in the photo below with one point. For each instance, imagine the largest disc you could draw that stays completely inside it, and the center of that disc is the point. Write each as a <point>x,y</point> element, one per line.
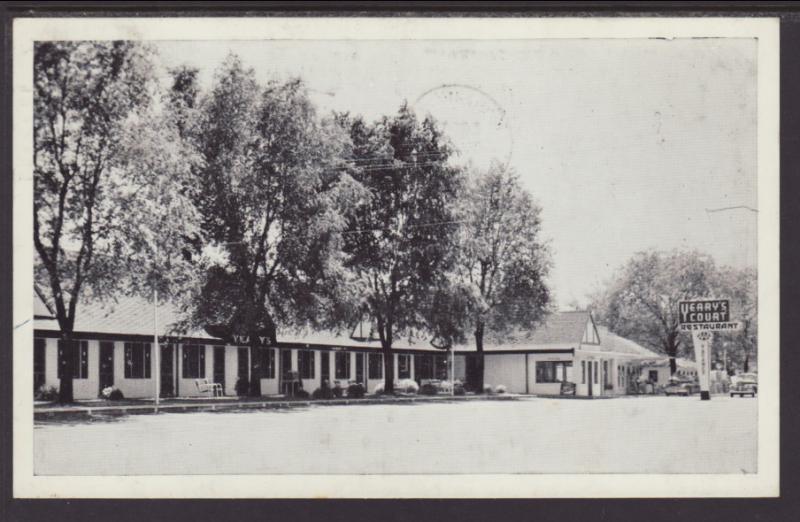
<point>88,412</point>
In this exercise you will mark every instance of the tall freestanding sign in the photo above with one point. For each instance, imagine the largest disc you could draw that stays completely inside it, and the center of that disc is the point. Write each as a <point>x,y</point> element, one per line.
<point>703,318</point>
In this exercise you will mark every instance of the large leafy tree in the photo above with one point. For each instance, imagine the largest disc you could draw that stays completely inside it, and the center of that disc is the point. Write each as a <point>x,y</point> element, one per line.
<point>502,259</point>
<point>273,191</point>
<point>85,95</point>
<point>740,285</point>
<point>641,301</point>
<point>399,240</point>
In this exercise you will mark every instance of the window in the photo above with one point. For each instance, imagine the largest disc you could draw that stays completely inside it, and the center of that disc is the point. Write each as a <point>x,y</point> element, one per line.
<point>403,366</point>
<point>305,360</point>
<point>595,372</point>
<point>194,361</point>
<point>653,375</point>
<point>583,372</point>
<point>325,366</point>
<point>375,363</point>
<point>553,371</point>
<point>342,361</point>
<point>605,374</point>
<point>38,363</point>
<point>137,360</point>
<point>267,363</point>
<point>80,361</point>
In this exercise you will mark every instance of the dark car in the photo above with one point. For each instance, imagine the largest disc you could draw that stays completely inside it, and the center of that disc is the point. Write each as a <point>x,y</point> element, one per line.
<point>746,384</point>
<point>682,387</point>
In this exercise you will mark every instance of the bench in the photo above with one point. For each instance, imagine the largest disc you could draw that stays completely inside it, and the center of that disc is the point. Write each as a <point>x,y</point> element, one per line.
<point>203,386</point>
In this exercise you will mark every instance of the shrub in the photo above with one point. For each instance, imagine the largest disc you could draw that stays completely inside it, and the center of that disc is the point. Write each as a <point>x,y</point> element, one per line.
<point>116,395</point>
<point>487,389</point>
<point>301,394</point>
<point>324,392</point>
<point>338,391</point>
<point>242,387</point>
<point>459,389</point>
<point>500,389</point>
<point>407,386</point>
<point>356,390</point>
<point>46,393</point>
<point>428,389</point>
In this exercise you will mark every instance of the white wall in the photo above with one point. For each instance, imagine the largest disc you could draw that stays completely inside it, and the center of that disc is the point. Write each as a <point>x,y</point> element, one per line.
<point>505,369</point>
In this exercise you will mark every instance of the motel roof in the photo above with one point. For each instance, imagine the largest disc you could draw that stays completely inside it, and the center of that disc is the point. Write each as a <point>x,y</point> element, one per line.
<point>133,316</point>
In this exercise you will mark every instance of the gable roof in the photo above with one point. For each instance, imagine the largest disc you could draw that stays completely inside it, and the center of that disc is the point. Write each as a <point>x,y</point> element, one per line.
<point>40,308</point>
<point>557,329</point>
<point>611,342</point>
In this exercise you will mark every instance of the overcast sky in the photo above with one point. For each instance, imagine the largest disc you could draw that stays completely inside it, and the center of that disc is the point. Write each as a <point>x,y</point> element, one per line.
<point>624,143</point>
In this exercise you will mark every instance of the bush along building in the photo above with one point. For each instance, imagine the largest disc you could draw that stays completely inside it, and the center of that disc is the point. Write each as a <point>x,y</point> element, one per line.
<point>115,349</point>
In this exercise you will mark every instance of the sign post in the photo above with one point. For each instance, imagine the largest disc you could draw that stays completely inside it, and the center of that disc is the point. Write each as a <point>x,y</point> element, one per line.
<point>703,318</point>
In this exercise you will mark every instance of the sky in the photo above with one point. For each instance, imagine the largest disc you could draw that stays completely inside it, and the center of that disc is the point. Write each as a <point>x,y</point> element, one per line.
<point>627,144</point>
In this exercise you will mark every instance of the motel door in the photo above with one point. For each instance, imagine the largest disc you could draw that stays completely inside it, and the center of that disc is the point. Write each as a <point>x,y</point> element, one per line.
<point>167,363</point>
<point>106,365</point>
<point>219,366</point>
<point>325,367</point>
<point>360,368</point>
<point>472,371</point>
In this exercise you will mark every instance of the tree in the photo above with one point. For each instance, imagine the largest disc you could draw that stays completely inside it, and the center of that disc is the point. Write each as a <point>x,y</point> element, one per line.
<point>641,301</point>
<point>741,287</point>
<point>272,197</point>
<point>85,93</point>
<point>399,238</point>
<point>502,258</point>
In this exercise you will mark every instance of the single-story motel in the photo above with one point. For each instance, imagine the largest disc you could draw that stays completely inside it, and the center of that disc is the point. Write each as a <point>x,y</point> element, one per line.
<point>115,349</point>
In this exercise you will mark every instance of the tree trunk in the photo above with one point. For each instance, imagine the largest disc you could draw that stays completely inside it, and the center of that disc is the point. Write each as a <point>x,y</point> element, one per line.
<point>746,362</point>
<point>388,369</point>
<point>67,364</point>
<point>479,359</point>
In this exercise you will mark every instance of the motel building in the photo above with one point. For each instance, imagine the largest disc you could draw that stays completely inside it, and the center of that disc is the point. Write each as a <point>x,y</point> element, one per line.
<point>115,345</point>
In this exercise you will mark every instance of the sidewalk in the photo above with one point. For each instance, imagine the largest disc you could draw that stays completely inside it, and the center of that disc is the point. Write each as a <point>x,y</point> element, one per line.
<point>84,409</point>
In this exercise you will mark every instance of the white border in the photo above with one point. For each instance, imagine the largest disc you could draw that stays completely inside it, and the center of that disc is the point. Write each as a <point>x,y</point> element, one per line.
<point>761,484</point>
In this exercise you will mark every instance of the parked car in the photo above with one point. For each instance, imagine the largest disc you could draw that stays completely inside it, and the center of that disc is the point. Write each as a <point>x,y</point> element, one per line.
<point>746,384</point>
<point>677,386</point>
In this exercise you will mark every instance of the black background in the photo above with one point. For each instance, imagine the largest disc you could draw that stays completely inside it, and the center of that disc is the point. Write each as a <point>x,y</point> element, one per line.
<point>787,507</point>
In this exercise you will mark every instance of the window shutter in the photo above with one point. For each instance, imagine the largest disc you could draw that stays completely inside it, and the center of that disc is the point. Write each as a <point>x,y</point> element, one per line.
<point>201,371</point>
<point>128,360</point>
<point>147,361</point>
<point>84,355</point>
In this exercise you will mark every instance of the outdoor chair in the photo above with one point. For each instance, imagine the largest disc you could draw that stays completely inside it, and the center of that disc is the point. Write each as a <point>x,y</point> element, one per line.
<point>203,386</point>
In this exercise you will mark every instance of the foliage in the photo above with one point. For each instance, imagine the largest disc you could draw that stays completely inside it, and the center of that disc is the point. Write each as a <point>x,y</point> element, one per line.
<point>500,388</point>
<point>323,392</point>
<point>356,391</point>
<point>116,395</point>
<point>301,394</point>
<point>398,238</point>
<point>408,386</point>
<point>46,393</point>
<point>740,347</point>
<point>502,261</point>
<point>273,197</point>
<point>99,145</point>
<point>641,301</point>
<point>428,389</point>
<point>487,389</point>
<point>242,386</point>
<point>338,391</point>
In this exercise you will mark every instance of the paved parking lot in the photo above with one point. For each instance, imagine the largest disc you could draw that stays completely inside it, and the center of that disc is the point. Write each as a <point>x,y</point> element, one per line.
<point>532,435</point>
